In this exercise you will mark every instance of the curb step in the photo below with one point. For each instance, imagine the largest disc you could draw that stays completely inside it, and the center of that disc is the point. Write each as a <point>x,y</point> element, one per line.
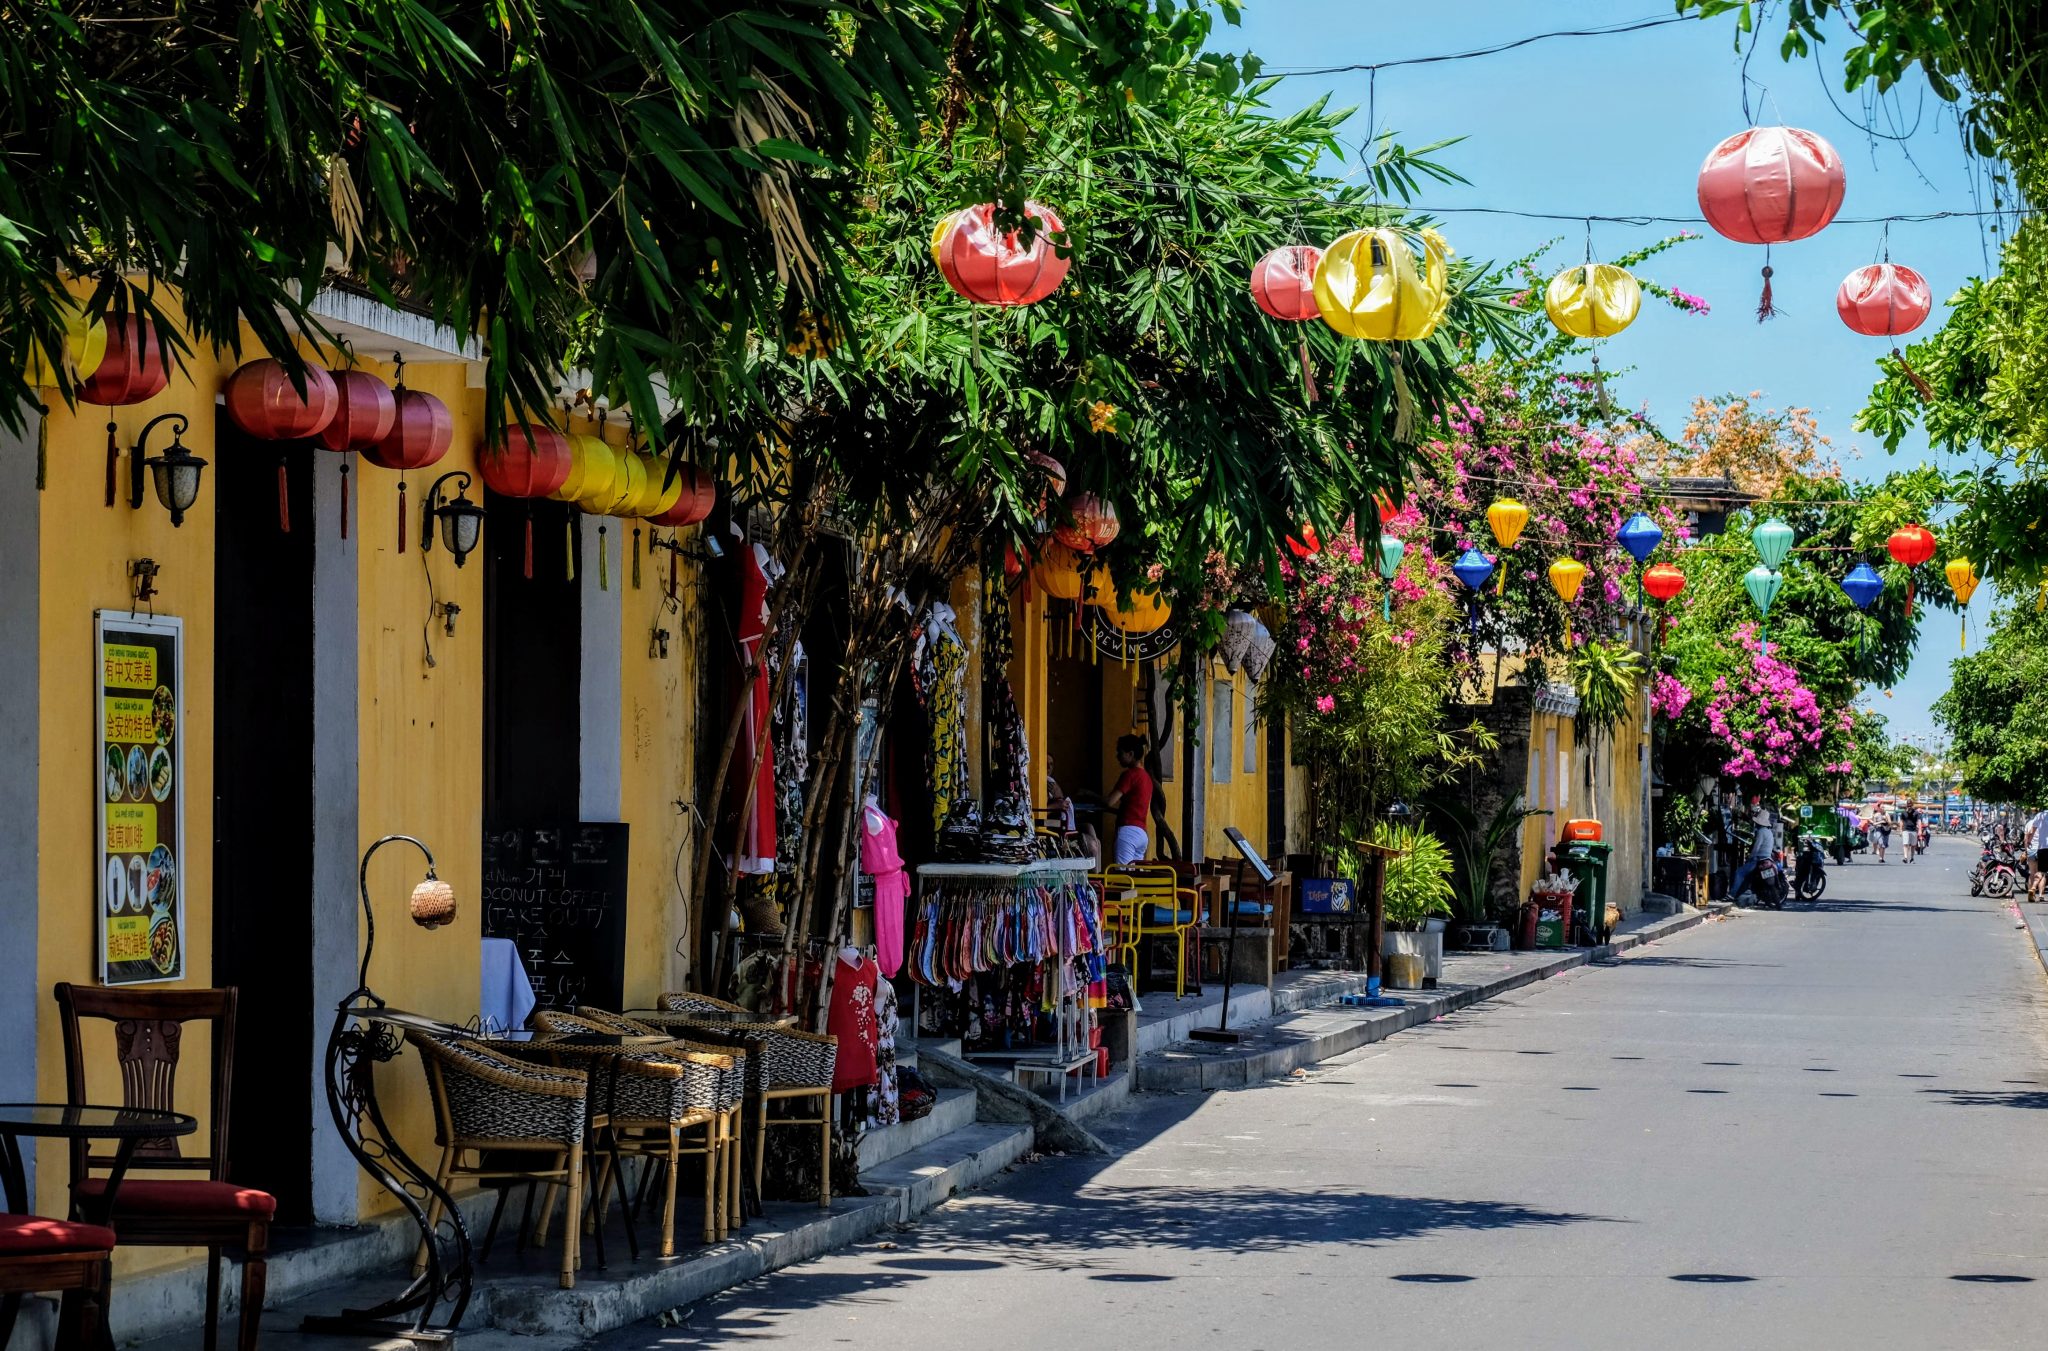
<point>928,1177</point>
<point>953,1111</point>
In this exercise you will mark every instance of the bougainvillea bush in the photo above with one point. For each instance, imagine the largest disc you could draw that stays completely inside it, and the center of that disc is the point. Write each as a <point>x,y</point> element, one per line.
<point>1765,726</point>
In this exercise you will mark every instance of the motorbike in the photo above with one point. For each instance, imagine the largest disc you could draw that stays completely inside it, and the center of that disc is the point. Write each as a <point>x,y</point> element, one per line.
<point>1767,884</point>
<point>1810,877</point>
<point>1998,876</point>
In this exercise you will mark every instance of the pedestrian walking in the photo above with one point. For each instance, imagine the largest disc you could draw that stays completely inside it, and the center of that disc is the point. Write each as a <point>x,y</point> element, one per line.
<point>1881,832</point>
<point>1132,801</point>
<point>2037,854</point>
<point>1909,830</point>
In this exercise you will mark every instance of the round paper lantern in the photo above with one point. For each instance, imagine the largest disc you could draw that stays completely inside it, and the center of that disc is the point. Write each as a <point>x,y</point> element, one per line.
<point>1596,300</point>
<point>1884,300</point>
<point>593,470</point>
<point>1283,282</point>
<point>420,433</point>
<point>1385,506</point>
<point>1094,524</point>
<point>1058,570</point>
<point>662,493</point>
<point>1772,540</point>
<point>1663,580</point>
<point>1473,568</point>
<point>262,401</point>
<point>1565,576</point>
<point>627,487</point>
<point>364,411</point>
<point>1962,578</point>
<point>1863,586</point>
<point>530,461</point>
<point>1910,545</point>
<point>131,367</point>
<point>1306,544</point>
<point>1771,185</point>
<point>1144,613</point>
<point>1055,472</point>
<point>1505,518</point>
<point>697,493</point>
<point>85,347</point>
<point>1763,585</point>
<point>1370,285</point>
<point>1640,536</point>
<point>990,266</point>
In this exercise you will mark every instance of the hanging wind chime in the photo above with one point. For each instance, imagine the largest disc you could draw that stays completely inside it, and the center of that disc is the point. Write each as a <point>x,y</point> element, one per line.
<point>1505,518</point>
<point>1771,185</point>
<point>1962,579</point>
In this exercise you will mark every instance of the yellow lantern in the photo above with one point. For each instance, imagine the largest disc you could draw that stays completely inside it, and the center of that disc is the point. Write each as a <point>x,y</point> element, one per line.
<point>1370,285</point>
<point>1146,612</point>
<point>1565,576</point>
<point>627,488</point>
<point>1597,300</point>
<point>1505,518</point>
<point>946,223</point>
<point>591,469</point>
<point>1058,570</point>
<point>660,496</point>
<point>1962,579</point>
<point>85,346</point>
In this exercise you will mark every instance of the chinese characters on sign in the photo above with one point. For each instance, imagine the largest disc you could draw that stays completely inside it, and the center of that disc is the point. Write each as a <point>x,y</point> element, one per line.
<point>140,772</point>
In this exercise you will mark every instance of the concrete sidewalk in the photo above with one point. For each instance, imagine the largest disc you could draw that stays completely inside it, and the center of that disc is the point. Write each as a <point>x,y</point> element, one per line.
<point>2034,915</point>
<point>1275,1046</point>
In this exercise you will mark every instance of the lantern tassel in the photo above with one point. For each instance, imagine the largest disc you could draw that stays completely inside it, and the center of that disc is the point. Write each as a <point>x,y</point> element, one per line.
<point>1913,377</point>
<point>284,499</point>
<point>113,460</point>
<point>1404,404</point>
<point>636,558</point>
<point>1764,308</point>
<point>1909,598</point>
<point>42,446</point>
<point>570,538</point>
<point>527,560</point>
<point>603,575</point>
<point>1308,375</point>
<point>401,515</point>
<point>1600,399</point>
<point>673,551</point>
<point>344,496</point>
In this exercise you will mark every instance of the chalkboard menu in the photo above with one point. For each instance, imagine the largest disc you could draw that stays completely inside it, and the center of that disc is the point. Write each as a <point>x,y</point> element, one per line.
<point>559,893</point>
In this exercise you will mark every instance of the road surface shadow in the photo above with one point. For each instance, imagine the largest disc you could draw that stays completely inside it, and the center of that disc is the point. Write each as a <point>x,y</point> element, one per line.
<point>2034,1098</point>
<point>1891,907</point>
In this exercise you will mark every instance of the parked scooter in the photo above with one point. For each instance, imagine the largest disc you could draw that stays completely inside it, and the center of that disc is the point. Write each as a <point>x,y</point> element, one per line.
<point>1811,877</point>
<point>2002,876</point>
<point>1767,886</point>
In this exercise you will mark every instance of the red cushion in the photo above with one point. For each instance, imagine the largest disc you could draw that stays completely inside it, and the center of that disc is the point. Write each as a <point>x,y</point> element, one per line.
<point>27,1235</point>
<point>165,1196</point>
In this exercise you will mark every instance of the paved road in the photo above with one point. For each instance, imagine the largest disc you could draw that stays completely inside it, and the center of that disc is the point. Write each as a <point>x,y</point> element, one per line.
<point>1817,1129</point>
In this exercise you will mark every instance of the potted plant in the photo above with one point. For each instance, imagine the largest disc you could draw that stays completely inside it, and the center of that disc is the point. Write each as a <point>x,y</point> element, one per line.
<point>1474,847</point>
<point>1417,889</point>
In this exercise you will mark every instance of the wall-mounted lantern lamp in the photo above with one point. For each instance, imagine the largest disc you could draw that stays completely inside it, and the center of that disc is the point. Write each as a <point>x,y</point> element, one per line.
<point>175,473</point>
<point>462,521</point>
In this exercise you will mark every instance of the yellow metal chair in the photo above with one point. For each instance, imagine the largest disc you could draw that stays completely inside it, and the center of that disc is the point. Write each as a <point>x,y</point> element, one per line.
<point>1166,909</point>
<point>1119,917</point>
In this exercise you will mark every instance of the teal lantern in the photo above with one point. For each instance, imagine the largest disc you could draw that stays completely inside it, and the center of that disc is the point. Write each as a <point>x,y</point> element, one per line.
<point>1773,540</point>
<point>1391,549</point>
<point>1763,586</point>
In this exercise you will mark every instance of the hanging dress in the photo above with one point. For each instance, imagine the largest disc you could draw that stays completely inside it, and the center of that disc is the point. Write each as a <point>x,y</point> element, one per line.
<point>852,1020</point>
<point>879,859</point>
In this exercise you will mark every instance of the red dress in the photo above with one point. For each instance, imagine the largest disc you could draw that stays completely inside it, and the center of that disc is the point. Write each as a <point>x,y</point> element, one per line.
<point>852,1019</point>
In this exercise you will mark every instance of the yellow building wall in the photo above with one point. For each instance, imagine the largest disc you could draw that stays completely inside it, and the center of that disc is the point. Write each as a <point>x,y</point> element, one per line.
<point>1240,799</point>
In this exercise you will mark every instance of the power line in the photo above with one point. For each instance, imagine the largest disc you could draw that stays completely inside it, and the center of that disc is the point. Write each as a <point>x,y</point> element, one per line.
<point>1608,30</point>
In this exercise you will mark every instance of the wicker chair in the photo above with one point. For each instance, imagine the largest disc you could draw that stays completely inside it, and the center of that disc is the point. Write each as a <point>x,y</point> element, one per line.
<point>494,1105</point>
<point>793,1066</point>
<point>659,1096</point>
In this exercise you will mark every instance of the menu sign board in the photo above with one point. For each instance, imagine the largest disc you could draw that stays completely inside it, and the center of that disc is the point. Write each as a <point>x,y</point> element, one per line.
<point>140,777</point>
<point>559,893</point>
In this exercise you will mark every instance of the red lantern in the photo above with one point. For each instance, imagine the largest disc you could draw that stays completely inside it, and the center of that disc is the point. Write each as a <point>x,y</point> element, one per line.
<point>1055,472</point>
<point>531,461</point>
<point>994,267</point>
<point>700,494</point>
<point>133,369</point>
<point>1663,580</point>
<point>420,433</point>
<point>1094,524</point>
<point>262,401</point>
<point>1771,185</point>
<point>1910,546</point>
<point>364,410</point>
<point>1884,300</point>
<point>1386,507</point>
<point>1283,282</point>
<point>1307,545</point>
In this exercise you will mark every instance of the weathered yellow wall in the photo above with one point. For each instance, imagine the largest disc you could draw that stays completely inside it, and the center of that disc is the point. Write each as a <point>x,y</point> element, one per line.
<point>1241,800</point>
<point>86,547</point>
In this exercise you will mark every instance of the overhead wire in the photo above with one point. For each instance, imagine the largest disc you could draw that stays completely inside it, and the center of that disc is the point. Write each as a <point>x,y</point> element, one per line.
<point>1355,67</point>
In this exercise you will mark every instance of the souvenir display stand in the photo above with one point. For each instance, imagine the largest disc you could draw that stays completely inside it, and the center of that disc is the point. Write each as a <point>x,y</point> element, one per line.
<point>1010,958</point>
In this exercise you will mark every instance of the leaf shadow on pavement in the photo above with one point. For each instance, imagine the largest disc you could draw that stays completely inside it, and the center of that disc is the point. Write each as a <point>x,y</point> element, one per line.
<point>2033,1098</point>
<point>1886,907</point>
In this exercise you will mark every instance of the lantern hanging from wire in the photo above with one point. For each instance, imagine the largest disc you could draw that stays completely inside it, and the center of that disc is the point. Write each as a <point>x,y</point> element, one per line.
<point>84,347</point>
<point>1505,518</point>
<point>1391,549</point>
<point>1763,584</point>
<point>1593,300</point>
<point>420,435</point>
<point>993,266</point>
<point>1962,579</point>
<point>529,461</point>
<point>364,411</point>
<point>1474,569</point>
<point>1283,287</point>
<point>1663,582</point>
<point>1863,586</point>
<point>262,399</point>
<point>1771,185</point>
<point>1092,523</point>
<point>1887,300</point>
<point>1370,284</point>
<point>697,494</point>
<point>1772,541</point>
<point>1566,576</point>
<point>1640,536</point>
<point>1910,546</point>
<point>131,370</point>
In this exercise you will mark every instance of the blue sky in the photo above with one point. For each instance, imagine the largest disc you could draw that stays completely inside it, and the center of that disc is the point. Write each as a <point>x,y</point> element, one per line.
<point>1618,126</point>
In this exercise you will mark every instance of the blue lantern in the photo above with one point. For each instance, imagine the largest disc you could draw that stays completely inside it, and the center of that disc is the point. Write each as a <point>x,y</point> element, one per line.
<point>1473,569</point>
<point>1640,536</point>
<point>1863,586</point>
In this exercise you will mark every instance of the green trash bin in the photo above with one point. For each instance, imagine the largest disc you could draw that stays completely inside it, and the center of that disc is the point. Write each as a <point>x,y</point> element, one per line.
<point>1588,861</point>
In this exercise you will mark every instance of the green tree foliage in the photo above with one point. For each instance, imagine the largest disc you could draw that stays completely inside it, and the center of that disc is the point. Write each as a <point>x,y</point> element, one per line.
<point>1996,710</point>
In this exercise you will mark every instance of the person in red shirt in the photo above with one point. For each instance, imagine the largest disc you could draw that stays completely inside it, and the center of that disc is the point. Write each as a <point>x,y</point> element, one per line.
<point>1132,801</point>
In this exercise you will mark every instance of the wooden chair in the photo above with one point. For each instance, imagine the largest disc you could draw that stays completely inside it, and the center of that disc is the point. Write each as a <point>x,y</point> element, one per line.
<point>500,1108</point>
<point>1165,909</point>
<point>209,1212</point>
<point>793,1066</point>
<point>660,1097</point>
<point>38,1254</point>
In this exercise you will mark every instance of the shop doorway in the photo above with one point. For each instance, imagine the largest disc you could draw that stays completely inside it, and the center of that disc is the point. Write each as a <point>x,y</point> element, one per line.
<point>1073,724</point>
<point>533,644</point>
<point>263,688</point>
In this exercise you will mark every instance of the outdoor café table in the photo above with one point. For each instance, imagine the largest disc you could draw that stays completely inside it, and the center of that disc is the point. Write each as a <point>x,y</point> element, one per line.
<point>130,1126</point>
<point>603,1051</point>
<point>724,1027</point>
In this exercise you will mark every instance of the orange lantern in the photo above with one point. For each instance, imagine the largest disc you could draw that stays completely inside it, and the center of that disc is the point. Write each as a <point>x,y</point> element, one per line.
<point>262,400</point>
<point>1058,571</point>
<point>698,494</point>
<point>1910,546</point>
<point>131,369</point>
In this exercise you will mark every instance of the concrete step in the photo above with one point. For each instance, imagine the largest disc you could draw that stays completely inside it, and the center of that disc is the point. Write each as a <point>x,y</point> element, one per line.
<point>953,1111</point>
<point>928,1177</point>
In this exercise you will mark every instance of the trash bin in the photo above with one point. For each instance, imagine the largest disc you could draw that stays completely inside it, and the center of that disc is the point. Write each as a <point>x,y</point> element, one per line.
<point>1588,862</point>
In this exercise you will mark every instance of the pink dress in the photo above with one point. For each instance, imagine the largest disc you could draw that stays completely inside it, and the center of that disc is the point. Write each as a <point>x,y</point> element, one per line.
<point>878,857</point>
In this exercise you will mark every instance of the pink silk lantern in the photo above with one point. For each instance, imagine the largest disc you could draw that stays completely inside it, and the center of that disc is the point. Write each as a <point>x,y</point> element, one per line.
<point>994,267</point>
<point>1094,526</point>
<point>262,401</point>
<point>1283,283</point>
<point>1771,185</point>
<point>132,371</point>
<point>365,410</point>
<point>419,436</point>
<point>1884,300</point>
